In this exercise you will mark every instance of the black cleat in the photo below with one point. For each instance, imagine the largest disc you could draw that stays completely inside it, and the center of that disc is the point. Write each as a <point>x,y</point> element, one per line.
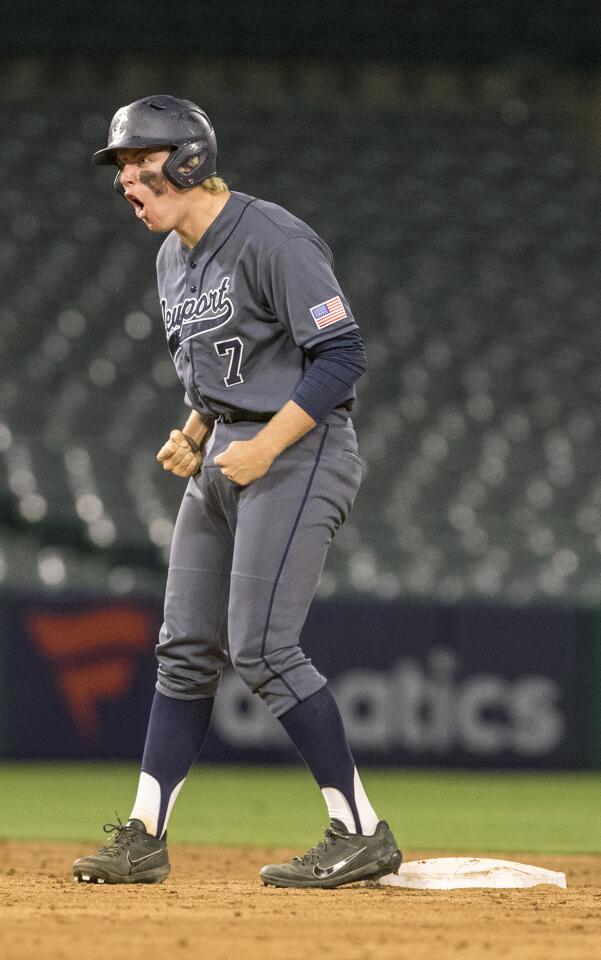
<point>341,857</point>
<point>132,856</point>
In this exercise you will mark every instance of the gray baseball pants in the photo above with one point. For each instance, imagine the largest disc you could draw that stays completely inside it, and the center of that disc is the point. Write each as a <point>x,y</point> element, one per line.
<point>245,563</point>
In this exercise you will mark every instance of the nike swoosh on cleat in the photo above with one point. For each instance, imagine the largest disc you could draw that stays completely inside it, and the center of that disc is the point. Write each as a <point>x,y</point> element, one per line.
<point>322,872</point>
<point>140,859</point>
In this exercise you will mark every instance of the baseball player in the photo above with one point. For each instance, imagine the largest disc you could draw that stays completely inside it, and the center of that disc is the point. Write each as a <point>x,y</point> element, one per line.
<point>268,352</point>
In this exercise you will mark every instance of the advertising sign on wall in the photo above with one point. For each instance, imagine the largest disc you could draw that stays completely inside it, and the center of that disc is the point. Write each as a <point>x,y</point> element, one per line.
<point>417,683</point>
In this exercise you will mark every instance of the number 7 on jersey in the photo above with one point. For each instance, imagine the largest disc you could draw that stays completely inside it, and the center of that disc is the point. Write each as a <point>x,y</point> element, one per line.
<point>234,349</point>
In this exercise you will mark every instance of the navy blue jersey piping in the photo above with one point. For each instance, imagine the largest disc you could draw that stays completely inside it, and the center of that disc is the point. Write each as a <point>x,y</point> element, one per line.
<point>222,244</point>
<point>201,282</point>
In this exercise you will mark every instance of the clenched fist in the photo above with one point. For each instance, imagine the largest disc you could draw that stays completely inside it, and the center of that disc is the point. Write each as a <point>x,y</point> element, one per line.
<point>178,456</point>
<point>245,460</point>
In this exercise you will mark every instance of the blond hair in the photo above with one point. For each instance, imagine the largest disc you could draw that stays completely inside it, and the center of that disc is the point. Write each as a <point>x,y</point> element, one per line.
<point>214,185</point>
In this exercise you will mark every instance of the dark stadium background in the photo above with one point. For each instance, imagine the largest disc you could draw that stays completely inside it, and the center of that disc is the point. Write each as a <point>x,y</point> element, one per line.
<point>449,154</point>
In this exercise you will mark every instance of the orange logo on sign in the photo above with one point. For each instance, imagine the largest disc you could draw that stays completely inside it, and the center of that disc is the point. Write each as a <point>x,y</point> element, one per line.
<point>94,655</point>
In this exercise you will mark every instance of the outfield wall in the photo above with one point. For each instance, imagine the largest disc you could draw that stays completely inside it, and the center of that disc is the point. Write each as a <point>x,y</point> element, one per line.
<point>419,683</point>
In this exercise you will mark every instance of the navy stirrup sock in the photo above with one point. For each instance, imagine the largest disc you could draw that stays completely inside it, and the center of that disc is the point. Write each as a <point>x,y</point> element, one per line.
<point>176,733</point>
<point>317,731</point>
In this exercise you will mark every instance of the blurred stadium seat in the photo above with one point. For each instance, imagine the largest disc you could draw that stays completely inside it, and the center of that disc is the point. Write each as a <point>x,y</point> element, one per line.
<point>470,249</point>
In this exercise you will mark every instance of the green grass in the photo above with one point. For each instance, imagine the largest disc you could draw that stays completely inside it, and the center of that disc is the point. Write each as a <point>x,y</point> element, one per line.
<point>440,810</point>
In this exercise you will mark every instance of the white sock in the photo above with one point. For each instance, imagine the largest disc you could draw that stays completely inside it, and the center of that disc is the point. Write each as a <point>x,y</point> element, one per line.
<point>339,808</point>
<point>147,804</point>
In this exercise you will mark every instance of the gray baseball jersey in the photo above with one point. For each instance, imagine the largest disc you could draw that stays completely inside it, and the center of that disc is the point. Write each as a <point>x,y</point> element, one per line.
<point>241,310</point>
<point>245,304</point>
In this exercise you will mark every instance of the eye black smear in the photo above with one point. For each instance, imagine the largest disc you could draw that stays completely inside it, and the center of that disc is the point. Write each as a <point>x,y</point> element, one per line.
<point>155,181</point>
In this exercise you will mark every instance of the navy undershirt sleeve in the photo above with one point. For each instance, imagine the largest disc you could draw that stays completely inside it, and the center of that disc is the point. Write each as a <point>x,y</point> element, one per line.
<point>337,365</point>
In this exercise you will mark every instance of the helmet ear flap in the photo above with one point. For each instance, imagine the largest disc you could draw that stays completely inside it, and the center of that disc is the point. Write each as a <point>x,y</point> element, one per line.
<point>190,164</point>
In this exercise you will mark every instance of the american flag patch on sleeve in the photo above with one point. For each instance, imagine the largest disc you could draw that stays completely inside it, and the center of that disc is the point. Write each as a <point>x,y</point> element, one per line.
<point>331,311</point>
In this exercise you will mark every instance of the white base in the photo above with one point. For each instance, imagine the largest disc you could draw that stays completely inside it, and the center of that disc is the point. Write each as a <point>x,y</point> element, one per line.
<point>451,873</point>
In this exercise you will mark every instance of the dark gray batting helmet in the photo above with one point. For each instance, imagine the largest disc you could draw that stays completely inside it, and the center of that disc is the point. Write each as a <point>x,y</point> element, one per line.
<point>165,121</point>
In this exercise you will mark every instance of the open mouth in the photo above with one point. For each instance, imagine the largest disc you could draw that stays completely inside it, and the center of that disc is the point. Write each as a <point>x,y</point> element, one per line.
<point>137,204</point>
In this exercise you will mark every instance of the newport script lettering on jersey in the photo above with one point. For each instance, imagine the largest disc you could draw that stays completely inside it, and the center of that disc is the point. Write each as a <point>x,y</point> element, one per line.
<point>209,311</point>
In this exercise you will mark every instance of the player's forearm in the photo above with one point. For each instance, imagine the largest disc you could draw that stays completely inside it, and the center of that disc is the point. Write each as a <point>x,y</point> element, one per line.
<point>197,428</point>
<point>289,425</point>
<point>336,366</point>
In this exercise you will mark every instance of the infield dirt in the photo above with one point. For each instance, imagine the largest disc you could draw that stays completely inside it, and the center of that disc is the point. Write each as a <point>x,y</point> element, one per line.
<point>214,906</point>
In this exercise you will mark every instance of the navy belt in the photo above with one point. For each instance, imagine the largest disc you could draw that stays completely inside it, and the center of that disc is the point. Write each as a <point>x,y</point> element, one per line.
<point>236,416</point>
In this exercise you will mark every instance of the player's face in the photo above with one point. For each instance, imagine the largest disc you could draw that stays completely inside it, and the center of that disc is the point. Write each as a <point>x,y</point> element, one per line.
<point>154,199</point>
